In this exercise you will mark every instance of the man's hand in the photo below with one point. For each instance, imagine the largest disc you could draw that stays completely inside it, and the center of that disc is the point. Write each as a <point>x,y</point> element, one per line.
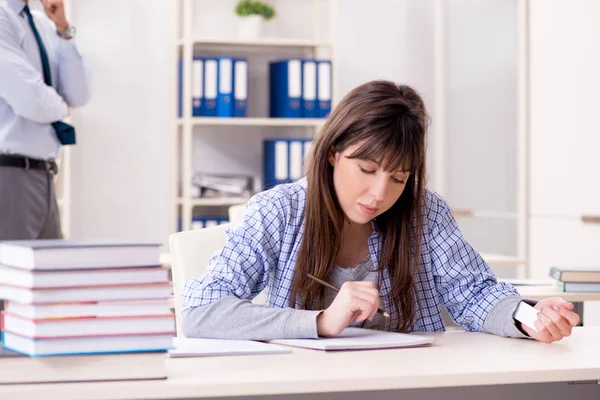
<point>356,301</point>
<point>55,10</point>
<point>555,320</point>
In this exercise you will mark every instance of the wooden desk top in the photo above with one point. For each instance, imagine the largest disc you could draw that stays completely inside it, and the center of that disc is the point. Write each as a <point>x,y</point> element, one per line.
<point>457,358</point>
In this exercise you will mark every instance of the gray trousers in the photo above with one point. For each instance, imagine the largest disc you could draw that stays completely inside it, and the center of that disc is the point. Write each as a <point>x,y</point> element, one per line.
<point>28,207</point>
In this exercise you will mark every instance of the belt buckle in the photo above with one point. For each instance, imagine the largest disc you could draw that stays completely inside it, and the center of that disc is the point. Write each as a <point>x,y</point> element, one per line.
<point>51,167</point>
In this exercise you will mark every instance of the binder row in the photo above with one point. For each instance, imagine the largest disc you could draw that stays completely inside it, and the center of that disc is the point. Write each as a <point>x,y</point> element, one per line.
<point>219,87</point>
<point>201,223</point>
<point>284,160</point>
<point>300,88</point>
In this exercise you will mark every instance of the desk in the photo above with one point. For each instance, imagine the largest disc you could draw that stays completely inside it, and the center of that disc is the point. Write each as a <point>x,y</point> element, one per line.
<point>457,359</point>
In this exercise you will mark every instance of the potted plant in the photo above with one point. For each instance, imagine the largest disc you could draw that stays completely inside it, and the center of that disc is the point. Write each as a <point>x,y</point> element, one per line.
<point>250,16</point>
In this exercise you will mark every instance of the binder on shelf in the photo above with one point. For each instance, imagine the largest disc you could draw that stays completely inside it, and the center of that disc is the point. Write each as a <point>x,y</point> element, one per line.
<point>285,78</point>
<point>309,89</point>
<point>197,223</point>
<point>284,160</point>
<point>240,87</point>
<point>296,160</point>
<point>197,86</point>
<point>224,87</point>
<point>209,107</point>
<point>275,162</point>
<point>323,88</point>
<point>201,222</point>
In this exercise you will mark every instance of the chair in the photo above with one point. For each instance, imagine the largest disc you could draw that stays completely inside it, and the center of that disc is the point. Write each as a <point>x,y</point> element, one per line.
<point>236,214</point>
<point>190,253</point>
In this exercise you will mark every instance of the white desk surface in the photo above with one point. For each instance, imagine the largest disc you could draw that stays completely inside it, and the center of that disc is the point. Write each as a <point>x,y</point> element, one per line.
<point>456,359</point>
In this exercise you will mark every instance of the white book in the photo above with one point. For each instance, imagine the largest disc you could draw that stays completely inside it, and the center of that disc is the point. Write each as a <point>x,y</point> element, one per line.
<point>191,347</point>
<point>70,254</point>
<point>86,345</point>
<point>85,326</point>
<point>359,338</point>
<point>81,277</point>
<point>90,309</point>
<point>81,294</point>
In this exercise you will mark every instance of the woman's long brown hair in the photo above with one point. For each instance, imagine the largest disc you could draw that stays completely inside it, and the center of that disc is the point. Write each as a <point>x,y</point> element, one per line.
<point>392,121</point>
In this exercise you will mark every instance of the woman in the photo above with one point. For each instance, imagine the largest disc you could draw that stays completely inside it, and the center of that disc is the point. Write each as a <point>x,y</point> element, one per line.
<point>361,220</point>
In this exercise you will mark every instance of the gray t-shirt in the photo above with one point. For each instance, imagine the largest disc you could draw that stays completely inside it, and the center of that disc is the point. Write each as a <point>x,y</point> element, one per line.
<point>365,271</point>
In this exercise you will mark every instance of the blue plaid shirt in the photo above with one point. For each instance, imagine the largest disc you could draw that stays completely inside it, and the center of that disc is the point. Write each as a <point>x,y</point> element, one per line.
<point>261,253</point>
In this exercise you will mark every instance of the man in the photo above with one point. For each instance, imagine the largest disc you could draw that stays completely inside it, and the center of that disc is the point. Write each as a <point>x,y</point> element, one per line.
<point>42,74</point>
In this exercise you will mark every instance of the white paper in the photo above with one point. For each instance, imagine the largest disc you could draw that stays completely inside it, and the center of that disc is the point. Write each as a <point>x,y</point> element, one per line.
<point>527,315</point>
<point>359,338</point>
<point>190,347</point>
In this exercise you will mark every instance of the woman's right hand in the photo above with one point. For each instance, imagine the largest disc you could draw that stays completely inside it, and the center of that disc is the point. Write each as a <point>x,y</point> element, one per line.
<point>356,301</point>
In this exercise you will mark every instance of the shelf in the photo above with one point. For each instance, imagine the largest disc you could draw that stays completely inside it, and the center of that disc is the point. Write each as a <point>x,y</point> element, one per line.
<point>218,201</point>
<point>501,260</point>
<point>262,42</point>
<point>215,121</point>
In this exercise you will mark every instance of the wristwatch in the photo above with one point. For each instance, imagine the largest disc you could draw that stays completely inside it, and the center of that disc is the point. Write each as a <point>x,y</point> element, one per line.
<point>68,33</point>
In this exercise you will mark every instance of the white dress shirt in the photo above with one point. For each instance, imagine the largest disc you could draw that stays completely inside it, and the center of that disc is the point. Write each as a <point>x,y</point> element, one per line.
<point>27,105</point>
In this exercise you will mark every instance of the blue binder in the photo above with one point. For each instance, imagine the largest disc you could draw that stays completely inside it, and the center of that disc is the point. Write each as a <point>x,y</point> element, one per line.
<point>224,87</point>
<point>284,160</point>
<point>276,162</point>
<point>324,88</point>
<point>309,88</point>
<point>197,83</point>
<point>240,87</point>
<point>285,89</point>
<point>197,86</point>
<point>209,107</point>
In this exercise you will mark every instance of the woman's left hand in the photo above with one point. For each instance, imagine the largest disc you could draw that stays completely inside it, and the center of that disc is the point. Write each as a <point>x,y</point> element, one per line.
<point>555,320</point>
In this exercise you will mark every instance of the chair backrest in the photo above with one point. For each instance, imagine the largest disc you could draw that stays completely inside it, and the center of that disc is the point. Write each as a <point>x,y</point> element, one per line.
<point>190,253</point>
<point>236,214</point>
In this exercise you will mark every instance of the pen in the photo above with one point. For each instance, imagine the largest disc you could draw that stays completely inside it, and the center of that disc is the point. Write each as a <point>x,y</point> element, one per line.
<point>330,286</point>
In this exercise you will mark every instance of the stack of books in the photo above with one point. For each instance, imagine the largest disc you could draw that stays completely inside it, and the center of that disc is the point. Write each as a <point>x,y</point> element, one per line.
<point>68,297</point>
<point>577,279</point>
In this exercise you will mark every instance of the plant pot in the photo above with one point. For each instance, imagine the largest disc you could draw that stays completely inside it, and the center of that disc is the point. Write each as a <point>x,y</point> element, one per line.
<point>249,27</point>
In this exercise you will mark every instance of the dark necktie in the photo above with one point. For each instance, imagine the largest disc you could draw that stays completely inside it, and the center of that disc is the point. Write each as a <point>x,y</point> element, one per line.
<point>64,132</point>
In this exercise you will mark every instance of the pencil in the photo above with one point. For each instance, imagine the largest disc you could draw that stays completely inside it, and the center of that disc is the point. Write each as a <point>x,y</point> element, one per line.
<point>330,286</point>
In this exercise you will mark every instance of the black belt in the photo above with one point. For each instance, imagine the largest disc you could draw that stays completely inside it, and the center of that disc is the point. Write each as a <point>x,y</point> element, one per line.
<point>28,163</point>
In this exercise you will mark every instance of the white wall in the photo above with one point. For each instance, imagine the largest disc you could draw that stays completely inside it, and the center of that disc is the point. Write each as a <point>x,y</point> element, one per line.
<point>123,163</point>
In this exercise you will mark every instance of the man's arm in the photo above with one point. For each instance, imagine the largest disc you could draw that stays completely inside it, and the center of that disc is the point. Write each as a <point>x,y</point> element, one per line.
<point>73,78</point>
<point>22,86</point>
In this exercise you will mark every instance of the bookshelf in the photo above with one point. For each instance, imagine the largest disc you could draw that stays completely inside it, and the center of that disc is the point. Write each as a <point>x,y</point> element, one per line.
<point>188,42</point>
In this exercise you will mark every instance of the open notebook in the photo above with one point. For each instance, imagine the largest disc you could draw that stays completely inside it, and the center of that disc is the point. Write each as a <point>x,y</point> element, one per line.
<point>359,339</point>
<point>189,347</point>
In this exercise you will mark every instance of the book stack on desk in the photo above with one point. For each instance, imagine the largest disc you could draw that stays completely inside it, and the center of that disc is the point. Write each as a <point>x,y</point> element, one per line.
<point>69,297</point>
<point>577,279</point>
